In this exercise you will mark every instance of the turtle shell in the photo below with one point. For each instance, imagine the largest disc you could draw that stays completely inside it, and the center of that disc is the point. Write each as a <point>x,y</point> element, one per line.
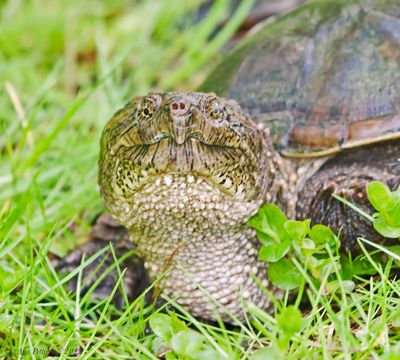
<point>324,77</point>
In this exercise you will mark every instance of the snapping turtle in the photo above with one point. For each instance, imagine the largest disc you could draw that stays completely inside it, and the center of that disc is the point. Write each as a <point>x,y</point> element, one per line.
<point>319,113</point>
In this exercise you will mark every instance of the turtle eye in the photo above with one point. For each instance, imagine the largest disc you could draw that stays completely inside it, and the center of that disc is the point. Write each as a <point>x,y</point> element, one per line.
<point>147,109</point>
<point>215,110</point>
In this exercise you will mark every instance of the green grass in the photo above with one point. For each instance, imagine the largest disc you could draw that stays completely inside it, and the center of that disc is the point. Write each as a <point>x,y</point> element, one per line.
<point>65,67</point>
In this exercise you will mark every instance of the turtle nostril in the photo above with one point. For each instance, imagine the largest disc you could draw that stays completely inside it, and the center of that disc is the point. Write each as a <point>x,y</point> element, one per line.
<point>179,107</point>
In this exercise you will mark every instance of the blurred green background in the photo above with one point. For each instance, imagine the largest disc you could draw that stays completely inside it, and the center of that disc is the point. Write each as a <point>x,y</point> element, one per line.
<point>65,67</point>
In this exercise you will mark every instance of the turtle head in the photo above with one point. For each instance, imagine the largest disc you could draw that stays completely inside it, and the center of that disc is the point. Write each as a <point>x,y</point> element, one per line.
<point>196,134</point>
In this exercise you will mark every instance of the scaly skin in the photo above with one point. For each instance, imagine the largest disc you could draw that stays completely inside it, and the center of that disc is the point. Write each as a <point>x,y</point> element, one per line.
<point>184,172</point>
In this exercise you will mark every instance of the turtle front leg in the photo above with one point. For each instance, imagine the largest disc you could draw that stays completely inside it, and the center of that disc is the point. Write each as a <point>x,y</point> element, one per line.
<point>348,175</point>
<point>104,231</point>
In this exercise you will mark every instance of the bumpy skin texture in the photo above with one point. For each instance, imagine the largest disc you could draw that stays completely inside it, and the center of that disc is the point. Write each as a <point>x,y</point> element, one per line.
<point>184,172</point>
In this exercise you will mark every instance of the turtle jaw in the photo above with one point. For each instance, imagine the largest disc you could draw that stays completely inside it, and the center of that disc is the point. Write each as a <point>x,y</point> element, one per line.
<point>226,168</point>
